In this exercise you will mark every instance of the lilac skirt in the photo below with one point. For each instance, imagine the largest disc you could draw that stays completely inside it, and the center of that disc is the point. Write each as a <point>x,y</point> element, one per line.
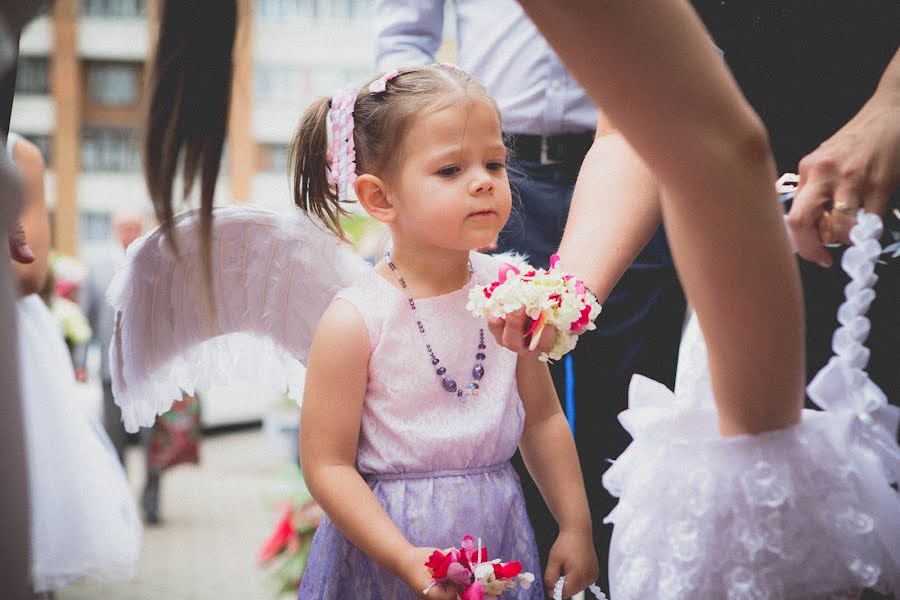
<point>433,509</point>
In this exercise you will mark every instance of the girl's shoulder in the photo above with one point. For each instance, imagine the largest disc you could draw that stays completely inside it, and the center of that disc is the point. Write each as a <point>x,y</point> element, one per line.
<point>368,299</point>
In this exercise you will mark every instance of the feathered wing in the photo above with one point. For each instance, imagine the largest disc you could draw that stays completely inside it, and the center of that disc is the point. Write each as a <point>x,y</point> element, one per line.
<point>273,275</point>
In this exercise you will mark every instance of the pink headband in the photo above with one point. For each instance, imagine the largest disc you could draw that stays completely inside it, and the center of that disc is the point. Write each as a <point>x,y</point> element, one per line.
<point>342,150</point>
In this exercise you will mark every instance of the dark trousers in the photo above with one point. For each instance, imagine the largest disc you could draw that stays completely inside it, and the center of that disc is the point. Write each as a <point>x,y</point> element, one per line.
<point>638,332</point>
<point>112,421</point>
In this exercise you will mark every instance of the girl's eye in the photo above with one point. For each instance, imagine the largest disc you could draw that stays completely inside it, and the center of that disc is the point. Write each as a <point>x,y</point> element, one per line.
<point>496,166</point>
<point>448,171</point>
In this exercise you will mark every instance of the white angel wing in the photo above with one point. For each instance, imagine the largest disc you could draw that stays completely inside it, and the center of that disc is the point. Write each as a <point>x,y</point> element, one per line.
<point>273,277</point>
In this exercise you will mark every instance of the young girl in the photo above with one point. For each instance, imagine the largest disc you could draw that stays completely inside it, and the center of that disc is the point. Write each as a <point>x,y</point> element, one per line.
<point>411,412</point>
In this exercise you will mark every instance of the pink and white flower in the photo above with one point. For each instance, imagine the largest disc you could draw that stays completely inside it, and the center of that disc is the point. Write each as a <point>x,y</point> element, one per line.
<point>549,298</point>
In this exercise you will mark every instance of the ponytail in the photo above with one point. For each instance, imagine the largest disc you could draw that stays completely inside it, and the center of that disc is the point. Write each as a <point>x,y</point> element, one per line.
<point>310,166</point>
<point>189,98</point>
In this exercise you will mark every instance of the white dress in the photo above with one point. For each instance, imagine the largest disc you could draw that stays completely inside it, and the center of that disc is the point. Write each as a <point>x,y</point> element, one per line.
<point>84,522</point>
<point>804,512</point>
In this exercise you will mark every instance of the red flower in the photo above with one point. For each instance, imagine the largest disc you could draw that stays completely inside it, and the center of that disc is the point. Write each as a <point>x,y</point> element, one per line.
<point>583,321</point>
<point>438,562</point>
<point>505,268</point>
<point>507,570</point>
<point>280,538</point>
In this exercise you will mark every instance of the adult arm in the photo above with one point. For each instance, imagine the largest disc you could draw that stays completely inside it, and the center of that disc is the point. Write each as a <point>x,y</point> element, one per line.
<point>408,32</point>
<point>549,453</point>
<point>651,66</point>
<point>35,219</point>
<point>615,185</point>
<point>859,166</point>
<point>614,211</point>
<point>337,373</point>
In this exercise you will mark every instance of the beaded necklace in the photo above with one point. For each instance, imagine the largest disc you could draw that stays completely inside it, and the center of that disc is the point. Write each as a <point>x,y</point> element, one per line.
<point>447,382</point>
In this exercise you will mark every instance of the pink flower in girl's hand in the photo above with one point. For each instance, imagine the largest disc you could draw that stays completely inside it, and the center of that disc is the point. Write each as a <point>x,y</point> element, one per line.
<point>473,592</point>
<point>472,553</point>
<point>459,574</point>
<point>452,567</point>
<point>468,568</point>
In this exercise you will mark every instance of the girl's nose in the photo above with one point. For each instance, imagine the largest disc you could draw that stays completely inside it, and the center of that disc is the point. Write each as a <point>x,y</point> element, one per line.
<point>482,183</point>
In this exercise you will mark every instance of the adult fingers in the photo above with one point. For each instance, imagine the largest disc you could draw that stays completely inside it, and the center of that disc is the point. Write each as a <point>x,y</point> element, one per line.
<point>19,250</point>
<point>847,200</point>
<point>804,221</point>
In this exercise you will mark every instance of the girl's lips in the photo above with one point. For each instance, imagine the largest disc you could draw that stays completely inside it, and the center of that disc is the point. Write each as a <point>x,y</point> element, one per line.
<point>483,213</point>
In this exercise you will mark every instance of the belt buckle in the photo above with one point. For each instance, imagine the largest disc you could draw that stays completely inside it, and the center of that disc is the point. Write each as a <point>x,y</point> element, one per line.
<point>544,159</point>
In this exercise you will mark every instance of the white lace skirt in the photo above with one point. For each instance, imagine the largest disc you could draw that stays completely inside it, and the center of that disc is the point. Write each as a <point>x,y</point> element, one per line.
<point>804,512</point>
<point>84,522</point>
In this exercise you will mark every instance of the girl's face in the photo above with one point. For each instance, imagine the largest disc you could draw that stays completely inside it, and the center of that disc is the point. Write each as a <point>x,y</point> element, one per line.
<point>452,190</point>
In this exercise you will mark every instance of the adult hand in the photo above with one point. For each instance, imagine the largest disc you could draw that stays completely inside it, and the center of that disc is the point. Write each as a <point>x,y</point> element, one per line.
<point>858,167</point>
<point>19,250</point>
<point>512,333</point>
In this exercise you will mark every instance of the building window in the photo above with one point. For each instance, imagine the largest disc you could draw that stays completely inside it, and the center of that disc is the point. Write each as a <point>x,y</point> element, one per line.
<point>109,149</point>
<point>313,9</point>
<point>95,227</point>
<point>279,156</point>
<point>285,9</point>
<point>113,8</point>
<point>280,83</point>
<point>33,75</point>
<point>113,84</point>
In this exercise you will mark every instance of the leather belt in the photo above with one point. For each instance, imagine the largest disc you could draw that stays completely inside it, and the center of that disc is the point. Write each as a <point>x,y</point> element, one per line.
<point>549,150</point>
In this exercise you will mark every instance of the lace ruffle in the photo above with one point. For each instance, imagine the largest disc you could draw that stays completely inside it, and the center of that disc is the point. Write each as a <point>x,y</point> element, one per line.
<point>804,512</point>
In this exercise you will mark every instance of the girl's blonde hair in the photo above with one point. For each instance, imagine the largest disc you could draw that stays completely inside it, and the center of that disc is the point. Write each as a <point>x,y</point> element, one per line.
<point>381,122</point>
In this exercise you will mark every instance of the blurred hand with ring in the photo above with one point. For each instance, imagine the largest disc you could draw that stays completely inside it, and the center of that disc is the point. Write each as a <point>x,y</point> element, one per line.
<point>858,167</point>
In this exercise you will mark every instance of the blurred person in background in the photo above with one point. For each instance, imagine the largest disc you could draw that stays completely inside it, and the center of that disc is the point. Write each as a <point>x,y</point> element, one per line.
<point>126,227</point>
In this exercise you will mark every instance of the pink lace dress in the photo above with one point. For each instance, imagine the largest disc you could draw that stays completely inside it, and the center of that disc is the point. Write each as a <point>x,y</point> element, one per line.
<point>438,465</point>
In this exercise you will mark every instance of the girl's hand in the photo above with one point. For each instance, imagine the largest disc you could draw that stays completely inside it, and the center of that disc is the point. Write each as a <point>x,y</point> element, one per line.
<point>572,555</point>
<point>511,333</point>
<point>415,575</point>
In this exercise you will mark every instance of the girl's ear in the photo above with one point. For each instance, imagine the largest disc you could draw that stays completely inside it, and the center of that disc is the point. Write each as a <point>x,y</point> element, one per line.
<point>372,194</point>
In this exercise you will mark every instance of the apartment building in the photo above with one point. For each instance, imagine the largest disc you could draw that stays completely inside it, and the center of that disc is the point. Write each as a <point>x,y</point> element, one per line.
<point>80,95</point>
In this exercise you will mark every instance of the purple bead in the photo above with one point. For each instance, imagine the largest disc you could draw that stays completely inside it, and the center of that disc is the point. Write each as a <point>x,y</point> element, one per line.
<point>481,346</point>
<point>449,384</point>
<point>459,393</point>
<point>480,356</point>
<point>441,370</point>
<point>477,372</point>
<point>435,361</point>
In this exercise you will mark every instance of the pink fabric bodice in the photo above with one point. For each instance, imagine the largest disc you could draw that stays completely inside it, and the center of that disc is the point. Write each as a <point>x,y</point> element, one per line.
<point>410,424</point>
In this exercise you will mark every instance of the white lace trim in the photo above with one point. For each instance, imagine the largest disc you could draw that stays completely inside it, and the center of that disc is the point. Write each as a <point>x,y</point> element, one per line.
<point>803,512</point>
